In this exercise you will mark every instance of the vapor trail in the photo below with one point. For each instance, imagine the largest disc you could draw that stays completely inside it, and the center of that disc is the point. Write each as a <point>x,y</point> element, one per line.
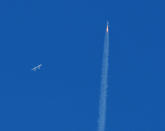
<point>104,84</point>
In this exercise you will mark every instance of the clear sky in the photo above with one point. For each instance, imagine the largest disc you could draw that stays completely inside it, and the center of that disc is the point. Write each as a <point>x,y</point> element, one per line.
<point>67,37</point>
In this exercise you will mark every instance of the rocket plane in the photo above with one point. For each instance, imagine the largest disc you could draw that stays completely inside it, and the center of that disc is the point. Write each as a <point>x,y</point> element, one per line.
<point>37,67</point>
<point>107,29</point>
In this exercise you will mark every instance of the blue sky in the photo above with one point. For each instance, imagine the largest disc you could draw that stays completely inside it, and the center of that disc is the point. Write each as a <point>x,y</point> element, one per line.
<point>67,38</point>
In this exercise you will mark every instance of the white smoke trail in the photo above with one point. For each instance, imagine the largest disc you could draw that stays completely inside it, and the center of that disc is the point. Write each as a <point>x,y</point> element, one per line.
<point>104,85</point>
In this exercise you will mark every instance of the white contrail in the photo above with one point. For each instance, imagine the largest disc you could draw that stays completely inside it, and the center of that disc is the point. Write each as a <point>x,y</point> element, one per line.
<point>104,85</point>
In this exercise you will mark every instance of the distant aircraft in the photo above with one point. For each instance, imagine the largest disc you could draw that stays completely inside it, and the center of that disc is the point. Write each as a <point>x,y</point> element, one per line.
<point>37,67</point>
<point>107,29</point>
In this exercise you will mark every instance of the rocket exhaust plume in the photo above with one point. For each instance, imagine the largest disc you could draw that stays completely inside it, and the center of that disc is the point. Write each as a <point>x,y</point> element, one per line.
<point>104,84</point>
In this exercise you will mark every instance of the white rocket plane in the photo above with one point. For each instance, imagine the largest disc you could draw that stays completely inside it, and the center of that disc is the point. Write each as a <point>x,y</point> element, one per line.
<point>107,29</point>
<point>37,67</point>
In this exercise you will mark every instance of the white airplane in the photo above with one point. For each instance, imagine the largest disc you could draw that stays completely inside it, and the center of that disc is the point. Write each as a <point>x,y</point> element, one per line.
<point>37,67</point>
